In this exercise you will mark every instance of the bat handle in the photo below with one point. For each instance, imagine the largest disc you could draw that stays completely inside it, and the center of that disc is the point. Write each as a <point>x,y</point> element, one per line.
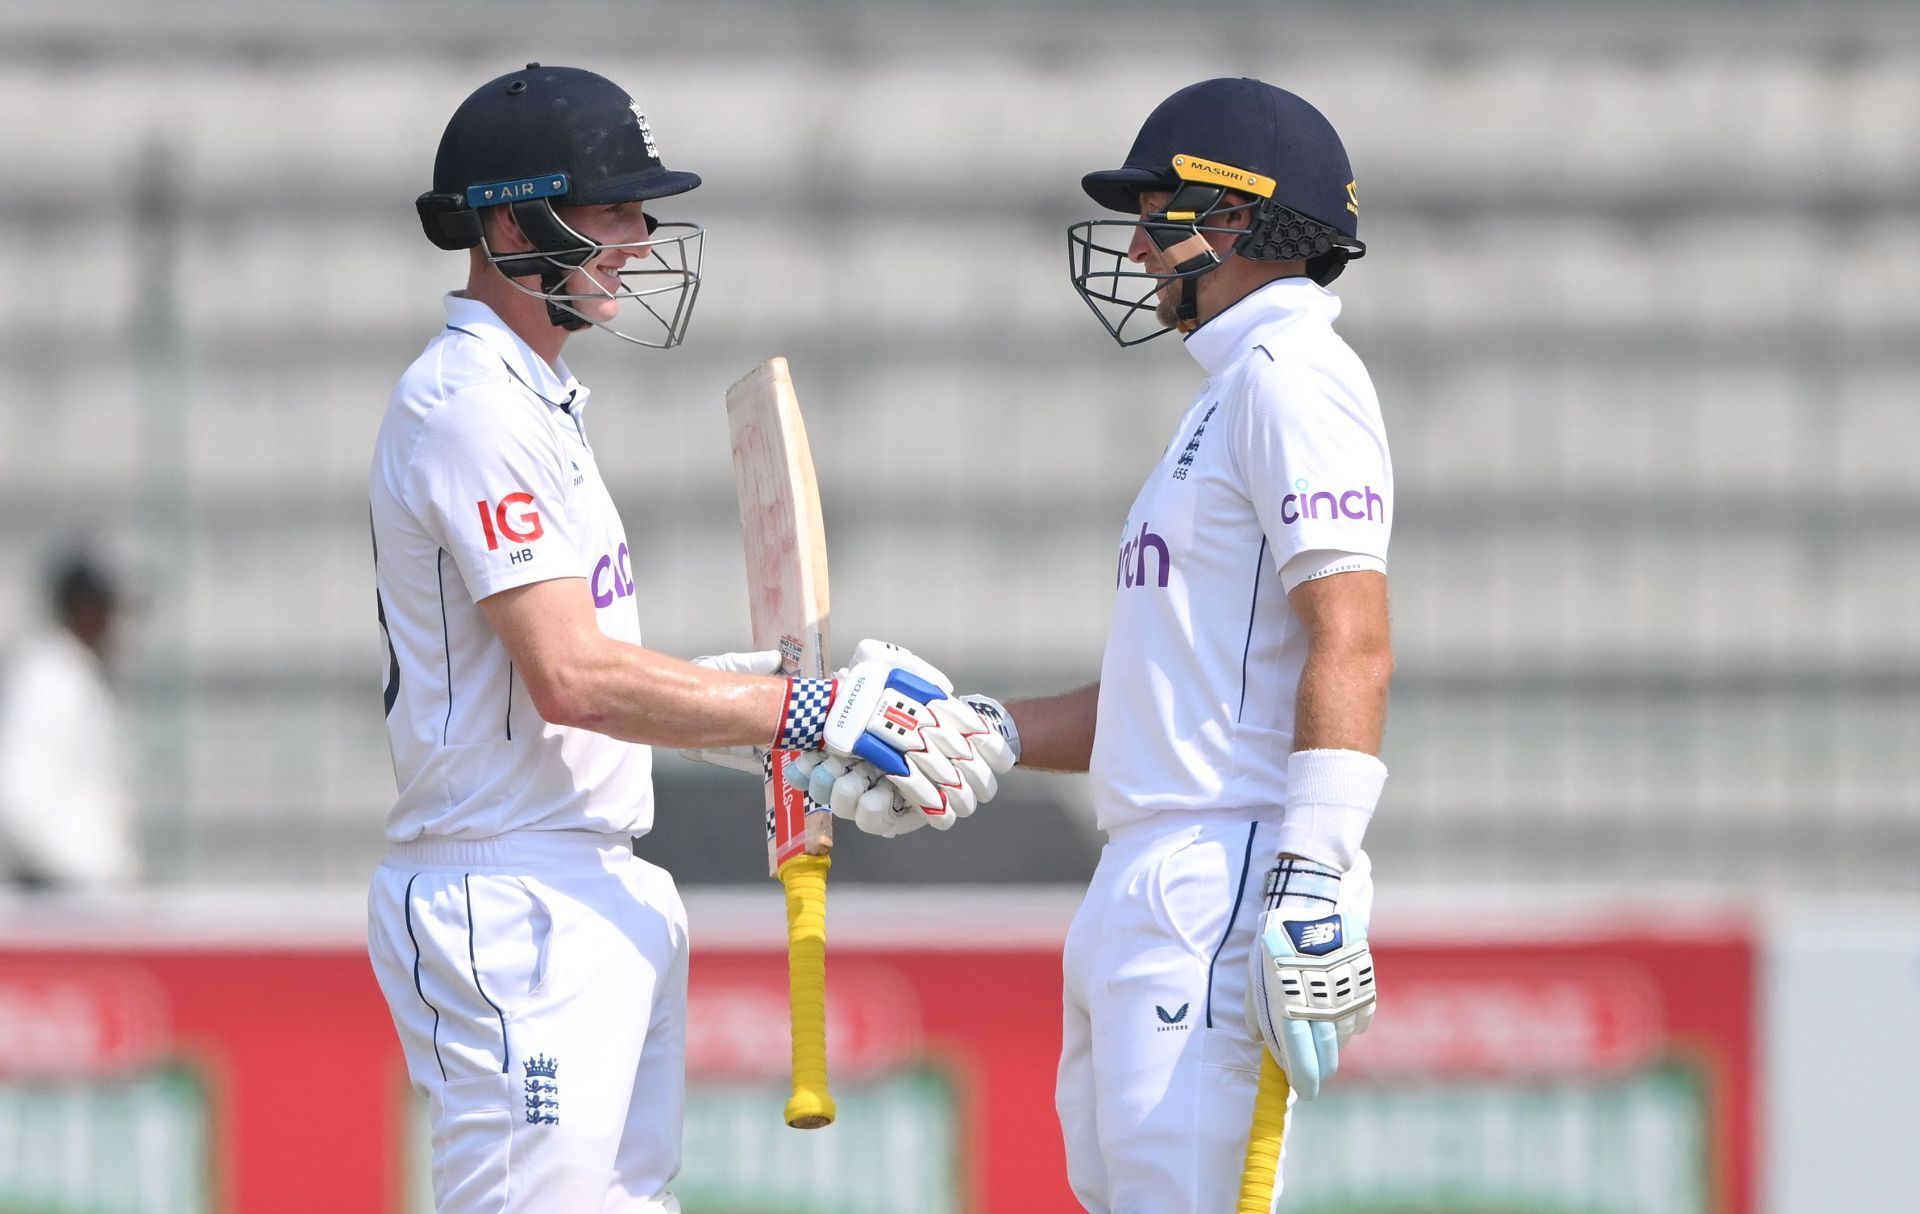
<point>1261,1171</point>
<point>805,879</point>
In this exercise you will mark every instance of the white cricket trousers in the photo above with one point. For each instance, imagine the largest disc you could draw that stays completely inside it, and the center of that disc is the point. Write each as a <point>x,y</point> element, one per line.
<point>1157,1067</point>
<point>538,980</point>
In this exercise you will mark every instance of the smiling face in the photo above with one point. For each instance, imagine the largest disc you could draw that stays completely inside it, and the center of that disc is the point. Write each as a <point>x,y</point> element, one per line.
<point>620,224</point>
<point>591,289</point>
<point>598,258</point>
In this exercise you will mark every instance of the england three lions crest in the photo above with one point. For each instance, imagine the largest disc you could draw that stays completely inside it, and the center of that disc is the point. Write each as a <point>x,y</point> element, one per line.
<point>542,1089</point>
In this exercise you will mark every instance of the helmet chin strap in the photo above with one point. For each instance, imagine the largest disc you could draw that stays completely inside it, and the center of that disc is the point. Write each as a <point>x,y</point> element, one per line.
<point>1197,259</point>
<point>566,251</point>
<point>1186,312</point>
<point>551,280</point>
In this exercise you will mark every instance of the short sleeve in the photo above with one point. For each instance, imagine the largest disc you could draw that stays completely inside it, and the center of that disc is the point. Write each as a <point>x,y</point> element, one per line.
<point>1313,456</point>
<point>1316,563</point>
<point>489,482</point>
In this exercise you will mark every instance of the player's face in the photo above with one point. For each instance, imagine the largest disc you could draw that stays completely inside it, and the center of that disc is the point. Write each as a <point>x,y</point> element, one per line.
<point>1153,260</point>
<point>620,224</point>
<point>1156,260</point>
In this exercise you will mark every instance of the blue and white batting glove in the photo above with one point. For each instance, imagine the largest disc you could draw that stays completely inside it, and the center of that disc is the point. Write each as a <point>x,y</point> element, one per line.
<point>750,759</point>
<point>924,756</point>
<point>1310,981</point>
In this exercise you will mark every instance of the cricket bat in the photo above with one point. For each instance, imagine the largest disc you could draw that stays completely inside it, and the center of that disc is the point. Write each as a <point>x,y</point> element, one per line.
<point>786,547</point>
<point>1261,1171</point>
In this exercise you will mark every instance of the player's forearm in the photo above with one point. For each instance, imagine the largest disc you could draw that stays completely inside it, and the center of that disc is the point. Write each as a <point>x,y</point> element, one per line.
<point>580,677</point>
<point>1056,732</point>
<point>1342,700</point>
<point>1333,778</point>
<point>639,695</point>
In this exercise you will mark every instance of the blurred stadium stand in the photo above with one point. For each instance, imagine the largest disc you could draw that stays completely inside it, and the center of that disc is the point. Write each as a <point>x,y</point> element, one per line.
<point>1641,306</point>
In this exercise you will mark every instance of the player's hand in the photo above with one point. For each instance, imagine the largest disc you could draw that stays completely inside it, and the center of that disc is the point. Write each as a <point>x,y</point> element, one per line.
<point>1310,983</point>
<point>894,713</point>
<point>751,759</point>
<point>934,749</point>
<point>989,710</point>
<point>1000,756</point>
<point>859,792</point>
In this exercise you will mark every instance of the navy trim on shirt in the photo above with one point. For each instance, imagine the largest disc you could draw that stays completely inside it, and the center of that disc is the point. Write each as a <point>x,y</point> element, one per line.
<point>390,692</point>
<point>566,404</point>
<point>1259,564</point>
<point>446,639</point>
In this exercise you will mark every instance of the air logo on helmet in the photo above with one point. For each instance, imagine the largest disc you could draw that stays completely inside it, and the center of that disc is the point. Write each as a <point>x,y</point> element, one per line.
<point>1353,199</point>
<point>646,132</point>
<point>494,193</point>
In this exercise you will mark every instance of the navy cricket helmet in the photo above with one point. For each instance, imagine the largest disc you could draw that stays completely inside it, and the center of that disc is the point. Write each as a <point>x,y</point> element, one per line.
<point>543,137</point>
<point>1220,146</point>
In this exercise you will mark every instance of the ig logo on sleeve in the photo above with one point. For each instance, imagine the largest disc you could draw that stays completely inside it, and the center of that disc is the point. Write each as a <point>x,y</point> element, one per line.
<point>513,518</point>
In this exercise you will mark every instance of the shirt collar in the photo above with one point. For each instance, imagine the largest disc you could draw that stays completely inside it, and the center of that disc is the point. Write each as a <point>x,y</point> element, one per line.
<point>555,385</point>
<point>1220,342</point>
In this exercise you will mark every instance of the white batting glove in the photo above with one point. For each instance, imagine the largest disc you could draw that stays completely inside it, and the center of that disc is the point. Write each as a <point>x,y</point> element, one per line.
<point>1310,981</point>
<point>857,791</point>
<point>862,794</point>
<point>871,650</point>
<point>935,750</point>
<point>994,715</point>
<point>1000,754</point>
<point>932,750</point>
<point>750,759</point>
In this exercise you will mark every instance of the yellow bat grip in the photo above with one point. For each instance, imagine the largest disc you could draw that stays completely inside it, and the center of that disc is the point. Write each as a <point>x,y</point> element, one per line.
<point>1261,1171</point>
<point>805,880</point>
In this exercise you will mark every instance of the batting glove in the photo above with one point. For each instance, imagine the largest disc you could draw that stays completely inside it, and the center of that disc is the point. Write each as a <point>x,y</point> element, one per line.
<point>750,759</point>
<point>1310,984</point>
<point>857,791</point>
<point>925,756</point>
<point>862,794</point>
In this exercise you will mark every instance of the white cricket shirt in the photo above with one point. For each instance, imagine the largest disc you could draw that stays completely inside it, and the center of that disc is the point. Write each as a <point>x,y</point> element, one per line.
<point>483,481</point>
<point>1282,455</point>
<point>66,812</point>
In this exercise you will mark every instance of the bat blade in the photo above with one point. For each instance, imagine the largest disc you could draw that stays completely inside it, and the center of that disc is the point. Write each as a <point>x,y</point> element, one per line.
<point>786,549</point>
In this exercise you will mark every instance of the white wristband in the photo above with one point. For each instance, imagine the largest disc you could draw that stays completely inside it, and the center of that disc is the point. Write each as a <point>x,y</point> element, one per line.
<point>1331,796</point>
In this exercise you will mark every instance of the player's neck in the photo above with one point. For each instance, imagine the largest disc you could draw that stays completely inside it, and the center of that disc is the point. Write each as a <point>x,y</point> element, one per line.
<point>524,314</point>
<point>1238,278</point>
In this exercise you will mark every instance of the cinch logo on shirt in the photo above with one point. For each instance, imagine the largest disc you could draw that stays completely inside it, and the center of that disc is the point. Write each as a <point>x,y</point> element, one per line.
<point>621,570</point>
<point>1353,503</point>
<point>519,527</point>
<point>1132,570</point>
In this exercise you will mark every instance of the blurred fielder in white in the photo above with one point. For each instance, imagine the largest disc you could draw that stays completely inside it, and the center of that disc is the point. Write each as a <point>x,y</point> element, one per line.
<point>66,815</point>
<point>1232,737</point>
<point>535,967</point>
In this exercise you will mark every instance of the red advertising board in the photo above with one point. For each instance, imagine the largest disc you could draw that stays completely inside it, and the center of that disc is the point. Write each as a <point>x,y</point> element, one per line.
<point>171,1062</point>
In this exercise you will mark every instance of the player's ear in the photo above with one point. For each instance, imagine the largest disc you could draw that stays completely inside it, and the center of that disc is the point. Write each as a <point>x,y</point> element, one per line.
<point>503,231</point>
